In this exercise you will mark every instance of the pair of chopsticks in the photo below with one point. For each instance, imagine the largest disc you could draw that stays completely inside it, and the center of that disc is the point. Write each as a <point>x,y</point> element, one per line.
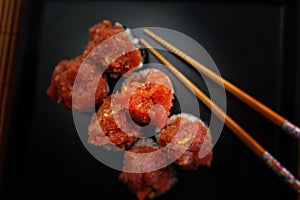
<point>262,109</point>
<point>242,134</point>
<point>10,11</point>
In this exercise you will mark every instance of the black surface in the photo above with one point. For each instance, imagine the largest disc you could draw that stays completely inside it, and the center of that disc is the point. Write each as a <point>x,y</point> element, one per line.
<point>253,46</point>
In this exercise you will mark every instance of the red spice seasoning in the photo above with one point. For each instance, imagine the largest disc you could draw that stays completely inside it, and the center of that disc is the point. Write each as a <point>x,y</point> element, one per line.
<point>62,82</point>
<point>196,151</point>
<point>112,126</point>
<point>147,185</point>
<point>118,53</point>
<point>148,96</point>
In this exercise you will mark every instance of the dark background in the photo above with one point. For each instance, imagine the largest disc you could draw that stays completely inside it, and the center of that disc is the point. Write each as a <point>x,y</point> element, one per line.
<point>254,45</point>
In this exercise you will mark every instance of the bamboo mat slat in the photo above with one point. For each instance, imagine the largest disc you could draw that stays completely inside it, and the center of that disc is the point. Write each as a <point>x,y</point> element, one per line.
<point>9,18</point>
<point>6,41</point>
<point>3,24</point>
<point>1,10</point>
<point>9,62</point>
<point>4,54</point>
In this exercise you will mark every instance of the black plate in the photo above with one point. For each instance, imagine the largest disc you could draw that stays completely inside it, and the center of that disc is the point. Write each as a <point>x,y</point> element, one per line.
<point>248,42</point>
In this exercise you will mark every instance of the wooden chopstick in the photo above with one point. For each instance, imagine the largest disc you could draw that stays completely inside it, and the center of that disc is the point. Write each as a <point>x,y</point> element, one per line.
<point>262,109</point>
<point>258,150</point>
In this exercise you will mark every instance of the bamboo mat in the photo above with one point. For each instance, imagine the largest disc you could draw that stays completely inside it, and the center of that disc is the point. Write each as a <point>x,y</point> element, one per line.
<point>10,11</point>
